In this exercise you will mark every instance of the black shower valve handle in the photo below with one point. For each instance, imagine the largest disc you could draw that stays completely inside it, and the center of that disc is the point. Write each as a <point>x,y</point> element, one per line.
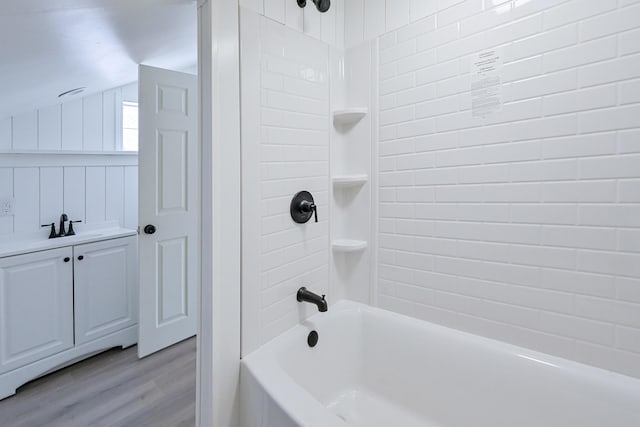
<point>310,207</point>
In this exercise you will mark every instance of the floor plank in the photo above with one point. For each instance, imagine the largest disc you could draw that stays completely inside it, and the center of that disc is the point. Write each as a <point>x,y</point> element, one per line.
<point>113,388</point>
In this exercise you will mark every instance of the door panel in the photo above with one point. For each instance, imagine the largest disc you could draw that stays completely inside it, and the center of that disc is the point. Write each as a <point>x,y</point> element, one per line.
<point>172,166</point>
<point>36,307</point>
<point>169,173</point>
<point>105,288</point>
<point>172,277</point>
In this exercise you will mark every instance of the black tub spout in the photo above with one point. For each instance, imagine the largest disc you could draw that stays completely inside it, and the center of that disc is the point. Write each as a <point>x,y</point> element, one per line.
<point>305,295</point>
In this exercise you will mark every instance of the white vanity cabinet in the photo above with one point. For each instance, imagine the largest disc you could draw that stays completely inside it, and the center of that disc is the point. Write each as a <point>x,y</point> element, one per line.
<point>60,304</point>
<point>106,298</point>
<point>36,306</point>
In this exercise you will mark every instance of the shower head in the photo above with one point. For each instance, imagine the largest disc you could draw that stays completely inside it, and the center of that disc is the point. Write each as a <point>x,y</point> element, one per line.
<point>321,5</point>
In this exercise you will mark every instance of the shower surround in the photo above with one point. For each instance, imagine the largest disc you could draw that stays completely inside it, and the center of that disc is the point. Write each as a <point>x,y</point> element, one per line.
<point>519,221</point>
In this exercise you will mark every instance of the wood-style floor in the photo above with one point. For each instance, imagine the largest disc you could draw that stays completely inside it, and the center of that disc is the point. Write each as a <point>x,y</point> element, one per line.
<point>114,388</point>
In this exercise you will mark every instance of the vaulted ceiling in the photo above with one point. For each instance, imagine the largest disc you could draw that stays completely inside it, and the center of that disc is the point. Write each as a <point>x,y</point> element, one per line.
<point>50,46</point>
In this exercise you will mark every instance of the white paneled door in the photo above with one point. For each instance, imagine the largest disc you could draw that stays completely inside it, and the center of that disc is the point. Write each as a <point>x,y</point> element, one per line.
<point>169,208</point>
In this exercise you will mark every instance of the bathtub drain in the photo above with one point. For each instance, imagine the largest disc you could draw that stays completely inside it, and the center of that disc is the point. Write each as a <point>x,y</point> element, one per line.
<point>312,339</point>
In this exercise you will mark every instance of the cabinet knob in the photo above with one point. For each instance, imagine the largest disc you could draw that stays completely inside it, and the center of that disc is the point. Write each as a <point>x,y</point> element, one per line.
<point>80,258</point>
<point>149,229</point>
<point>67,259</point>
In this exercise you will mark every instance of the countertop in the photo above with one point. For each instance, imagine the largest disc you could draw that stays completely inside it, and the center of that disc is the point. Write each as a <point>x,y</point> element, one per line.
<point>37,243</point>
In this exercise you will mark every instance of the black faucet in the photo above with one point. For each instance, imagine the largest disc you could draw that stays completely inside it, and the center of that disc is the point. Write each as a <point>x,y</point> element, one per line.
<point>305,295</point>
<point>61,231</point>
<point>63,219</point>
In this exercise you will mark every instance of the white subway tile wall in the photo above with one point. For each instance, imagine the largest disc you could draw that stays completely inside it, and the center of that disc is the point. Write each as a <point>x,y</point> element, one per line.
<point>523,225</point>
<point>285,150</point>
<point>328,27</point>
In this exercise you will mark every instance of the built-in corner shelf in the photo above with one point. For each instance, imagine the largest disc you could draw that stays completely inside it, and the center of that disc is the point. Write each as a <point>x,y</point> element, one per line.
<point>346,246</point>
<point>355,180</point>
<point>349,115</point>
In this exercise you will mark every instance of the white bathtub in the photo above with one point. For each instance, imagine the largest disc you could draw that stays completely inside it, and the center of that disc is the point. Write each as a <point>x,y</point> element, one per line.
<point>374,368</point>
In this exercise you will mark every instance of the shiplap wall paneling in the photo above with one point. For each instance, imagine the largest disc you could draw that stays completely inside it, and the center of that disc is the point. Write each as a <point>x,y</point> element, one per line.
<point>129,92</point>
<point>6,190</point>
<point>5,134</point>
<point>111,120</point>
<point>95,194</point>
<point>26,205</point>
<point>25,131</point>
<point>131,197</point>
<point>50,128</point>
<point>72,125</point>
<point>51,194</point>
<point>74,193</point>
<point>92,122</point>
<point>114,194</point>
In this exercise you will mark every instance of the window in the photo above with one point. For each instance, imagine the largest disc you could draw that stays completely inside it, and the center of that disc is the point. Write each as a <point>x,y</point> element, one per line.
<point>129,126</point>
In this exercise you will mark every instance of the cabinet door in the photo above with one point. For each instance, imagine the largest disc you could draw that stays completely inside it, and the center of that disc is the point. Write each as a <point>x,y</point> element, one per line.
<point>36,306</point>
<point>105,287</point>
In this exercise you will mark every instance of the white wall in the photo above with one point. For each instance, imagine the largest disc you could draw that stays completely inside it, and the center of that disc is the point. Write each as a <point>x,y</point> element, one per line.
<point>93,194</point>
<point>368,19</point>
<point>62,159</point>
<point>523,225</point>
<point>285,145</point>
<point>91,123</point>
<point>328,27</point>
